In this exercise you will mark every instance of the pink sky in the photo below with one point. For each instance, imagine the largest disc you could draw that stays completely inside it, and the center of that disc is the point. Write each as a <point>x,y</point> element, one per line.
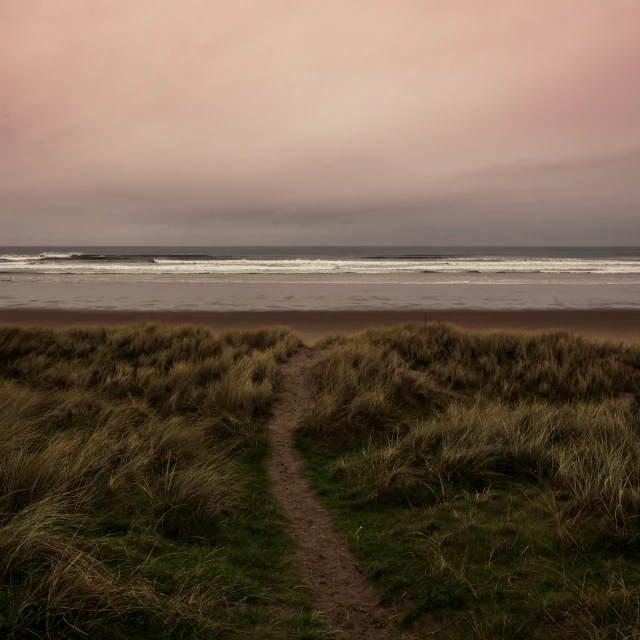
<point>320,121</point>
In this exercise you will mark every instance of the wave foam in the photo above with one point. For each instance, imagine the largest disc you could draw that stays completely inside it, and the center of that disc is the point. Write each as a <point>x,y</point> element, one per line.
<point>153,264</point>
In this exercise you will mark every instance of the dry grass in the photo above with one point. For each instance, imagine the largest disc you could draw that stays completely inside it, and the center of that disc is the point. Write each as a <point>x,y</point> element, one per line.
<point>442,409</point>
<point>133,429</point>
<point>555,365</point>
<point>437,418</point>
<point>589,453</point>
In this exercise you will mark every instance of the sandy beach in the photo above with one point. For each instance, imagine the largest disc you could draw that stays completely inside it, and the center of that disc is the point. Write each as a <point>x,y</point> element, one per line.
<point>615,324</point>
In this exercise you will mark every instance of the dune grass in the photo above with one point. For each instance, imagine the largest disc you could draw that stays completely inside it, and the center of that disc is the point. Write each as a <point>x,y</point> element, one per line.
<point>133,499</point>
<point>488,480</point>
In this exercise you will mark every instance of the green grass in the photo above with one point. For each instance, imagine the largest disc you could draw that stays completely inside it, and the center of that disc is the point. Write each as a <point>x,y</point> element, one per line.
<point>133,497</point>
<point>489,481</point>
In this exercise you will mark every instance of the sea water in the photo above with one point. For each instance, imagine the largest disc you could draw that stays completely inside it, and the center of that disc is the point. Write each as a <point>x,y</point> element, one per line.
<point>312,278</point>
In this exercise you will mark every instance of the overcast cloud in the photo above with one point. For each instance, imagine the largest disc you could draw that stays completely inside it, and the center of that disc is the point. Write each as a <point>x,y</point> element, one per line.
<point>319,122</point>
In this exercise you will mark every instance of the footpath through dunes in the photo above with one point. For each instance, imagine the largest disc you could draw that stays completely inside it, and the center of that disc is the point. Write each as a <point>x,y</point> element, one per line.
<point>345,600</point>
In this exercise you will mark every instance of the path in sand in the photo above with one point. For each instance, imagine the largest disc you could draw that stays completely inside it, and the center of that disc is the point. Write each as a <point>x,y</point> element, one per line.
<point>345,600</point>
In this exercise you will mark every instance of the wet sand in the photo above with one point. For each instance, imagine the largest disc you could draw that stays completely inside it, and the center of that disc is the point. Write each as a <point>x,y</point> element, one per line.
<point>616,324</point>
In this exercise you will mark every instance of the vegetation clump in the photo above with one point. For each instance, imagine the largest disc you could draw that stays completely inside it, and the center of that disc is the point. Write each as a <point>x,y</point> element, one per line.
<point>474,471</point>
<point>132,499</point>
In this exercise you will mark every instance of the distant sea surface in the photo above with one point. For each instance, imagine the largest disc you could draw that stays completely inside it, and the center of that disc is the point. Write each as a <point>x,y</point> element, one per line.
<point>314,278</point>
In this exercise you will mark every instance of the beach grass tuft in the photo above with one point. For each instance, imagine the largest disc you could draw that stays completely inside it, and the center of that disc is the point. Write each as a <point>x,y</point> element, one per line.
<point>489,479</point>
<point>133,499</point>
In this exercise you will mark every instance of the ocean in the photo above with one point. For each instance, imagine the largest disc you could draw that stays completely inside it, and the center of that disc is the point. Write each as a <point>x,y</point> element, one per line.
<point>314,278</point>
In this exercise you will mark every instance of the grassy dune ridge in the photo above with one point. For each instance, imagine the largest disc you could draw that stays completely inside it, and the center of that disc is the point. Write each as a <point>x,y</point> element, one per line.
<point>487,481</point>
<point>133,502</point>
<point>491,478</point>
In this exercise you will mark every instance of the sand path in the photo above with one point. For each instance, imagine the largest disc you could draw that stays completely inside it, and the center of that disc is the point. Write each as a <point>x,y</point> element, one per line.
<point>345,600</point>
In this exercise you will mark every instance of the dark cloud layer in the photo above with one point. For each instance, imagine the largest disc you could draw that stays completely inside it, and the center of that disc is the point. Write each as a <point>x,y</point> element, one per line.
<point>559,203</point>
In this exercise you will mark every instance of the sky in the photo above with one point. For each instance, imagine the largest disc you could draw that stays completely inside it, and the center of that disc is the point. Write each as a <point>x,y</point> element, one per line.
<point>315,122</point>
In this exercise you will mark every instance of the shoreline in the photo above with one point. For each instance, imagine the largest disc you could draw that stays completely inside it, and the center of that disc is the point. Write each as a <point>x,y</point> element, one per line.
<point>614,324</point>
